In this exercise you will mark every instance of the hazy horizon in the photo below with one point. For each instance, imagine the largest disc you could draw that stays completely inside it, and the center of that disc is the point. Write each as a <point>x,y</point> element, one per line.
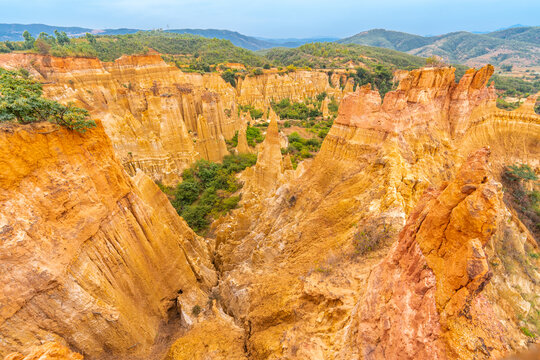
<point>279,18</point>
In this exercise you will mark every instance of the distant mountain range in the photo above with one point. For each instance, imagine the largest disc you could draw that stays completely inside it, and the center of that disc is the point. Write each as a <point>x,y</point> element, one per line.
<point>517,45</point>
<point>13,32</point>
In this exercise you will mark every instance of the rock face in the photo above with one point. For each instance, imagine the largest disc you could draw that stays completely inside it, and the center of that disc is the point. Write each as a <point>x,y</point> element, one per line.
<point>88,256</point>
<point>419,298</point>
<point>291,263</point>
<point>391,243</point>
<point>260,90</point>
<point>269,166</point>
<point>47,351</point>
<point>243,146</point>
<point>159,119</point>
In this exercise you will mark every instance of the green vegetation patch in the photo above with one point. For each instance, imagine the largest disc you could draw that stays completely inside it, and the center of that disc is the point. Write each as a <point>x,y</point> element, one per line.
<point>517,179</point>
<point>380,77</point>
<point>333,55</point>
<point>286,109</point>
<point>254,136</point>
<point>253,112</point>
<point>300,148</point>
<point>207,189</point>
<point>196,52</point>
<point>21,101</point>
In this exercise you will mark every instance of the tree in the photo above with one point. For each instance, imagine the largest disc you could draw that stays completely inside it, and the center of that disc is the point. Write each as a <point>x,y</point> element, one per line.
<point>61,38</point>
<point>28,40</point>
<point>229,76</point>
<point>9,45</point>
<point>21,101</point>
<point>91,39</point>
<point>47,38</point>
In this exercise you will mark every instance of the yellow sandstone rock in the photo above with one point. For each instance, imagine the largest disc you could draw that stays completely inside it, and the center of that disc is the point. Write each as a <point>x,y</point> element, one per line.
<point>90,257</point>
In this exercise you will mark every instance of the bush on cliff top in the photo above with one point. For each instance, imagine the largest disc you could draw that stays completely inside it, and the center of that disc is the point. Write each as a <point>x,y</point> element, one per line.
<point>21,101</point>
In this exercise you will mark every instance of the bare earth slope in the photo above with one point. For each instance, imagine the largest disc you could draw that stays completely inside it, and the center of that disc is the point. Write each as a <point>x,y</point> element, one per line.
<point>159,119</point>
<point>291,260</point>
<point>393,242</point>
<point>88,256</point>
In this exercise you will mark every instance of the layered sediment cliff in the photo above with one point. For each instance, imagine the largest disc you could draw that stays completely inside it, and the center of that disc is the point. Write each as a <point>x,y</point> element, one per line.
<point>88,256</point>
<point>159,119</point>
<point>393,242</point>
<point>295,264</point>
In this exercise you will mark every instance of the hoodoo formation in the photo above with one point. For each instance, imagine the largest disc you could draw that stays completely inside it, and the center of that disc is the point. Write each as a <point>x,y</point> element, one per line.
<point>159,119</point>
<point>398,239</point>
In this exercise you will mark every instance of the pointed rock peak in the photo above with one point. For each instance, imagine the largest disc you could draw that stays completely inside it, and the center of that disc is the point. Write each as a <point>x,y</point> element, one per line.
<point>349,86</point>
<point>273,129</point>
<point>477,79</point>
<point>242,147</point>
<point>324,107</point>
<point>249,119</point>
<point>287,162</point>
<point>269,168</point>
<point>272,115</point>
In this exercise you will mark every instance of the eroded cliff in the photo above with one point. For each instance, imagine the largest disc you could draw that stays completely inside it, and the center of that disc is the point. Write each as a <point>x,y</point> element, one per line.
<point>393,242</point>
<point>159,119</point>
<point>88,256</point>
<point>295,262</point>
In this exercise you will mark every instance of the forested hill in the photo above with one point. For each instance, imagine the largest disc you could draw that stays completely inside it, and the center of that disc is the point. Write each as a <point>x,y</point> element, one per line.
<point>13,32</point>
<point>515,46</point>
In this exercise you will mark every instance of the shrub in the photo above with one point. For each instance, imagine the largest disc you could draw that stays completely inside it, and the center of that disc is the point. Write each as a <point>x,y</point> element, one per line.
<point>21,101</point>
<point>186,193</point>
<point>527,332</point>
<point>321,96</point>
<point>521,172</point>
<point>196,310</point>
<point>371,238</point>
<point>229,76</point>
<point>254,136</point>
<point>503,104</point>
<point>42,46</point>
<point>195,216</point>
<point>526,203</point>
<point>233,142</point>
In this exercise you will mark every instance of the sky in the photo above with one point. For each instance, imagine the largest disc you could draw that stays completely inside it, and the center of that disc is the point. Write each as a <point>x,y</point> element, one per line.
<point>278,18</point>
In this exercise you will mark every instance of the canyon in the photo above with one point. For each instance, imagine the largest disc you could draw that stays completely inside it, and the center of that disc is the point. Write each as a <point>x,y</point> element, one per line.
<point>159,119</point>
<point>394,241</point>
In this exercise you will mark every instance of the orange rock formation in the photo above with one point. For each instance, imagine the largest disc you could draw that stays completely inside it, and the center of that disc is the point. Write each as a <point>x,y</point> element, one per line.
<point>47,351</point>
<point>100,261</point>
<point>159,119</point>
<point>300,288</point>
<point>89,256</point>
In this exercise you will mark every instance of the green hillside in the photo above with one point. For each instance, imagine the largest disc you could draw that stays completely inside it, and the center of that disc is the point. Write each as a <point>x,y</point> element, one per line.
<point>332,55</point>
<point>395,40</point>
<point>185,49</point>
<point>516,46</point>
<point>529,34</point>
